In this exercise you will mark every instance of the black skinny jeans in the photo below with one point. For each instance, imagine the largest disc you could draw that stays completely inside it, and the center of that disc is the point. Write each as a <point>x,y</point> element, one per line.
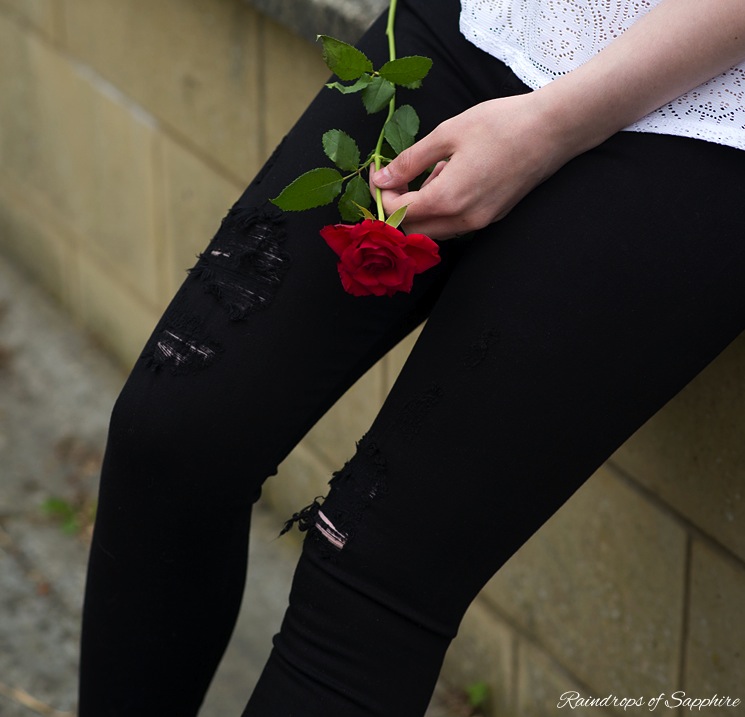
<point>552,335</point>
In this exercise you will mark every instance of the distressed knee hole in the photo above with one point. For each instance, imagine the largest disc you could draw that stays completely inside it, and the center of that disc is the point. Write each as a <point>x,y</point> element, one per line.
<point>180,348</point>
<point>332,522</point>
<point>245,263</point>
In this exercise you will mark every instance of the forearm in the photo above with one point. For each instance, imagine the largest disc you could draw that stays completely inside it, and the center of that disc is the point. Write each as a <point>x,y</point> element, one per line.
<point>675,47</point>
<point>501,149</point>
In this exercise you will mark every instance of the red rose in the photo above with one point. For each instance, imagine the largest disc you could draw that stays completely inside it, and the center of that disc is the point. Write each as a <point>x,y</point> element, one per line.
<point>376,258</point>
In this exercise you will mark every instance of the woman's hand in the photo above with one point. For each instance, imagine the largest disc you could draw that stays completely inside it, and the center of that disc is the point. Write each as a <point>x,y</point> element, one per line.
<point>492,155</point>
<point>485,160</point>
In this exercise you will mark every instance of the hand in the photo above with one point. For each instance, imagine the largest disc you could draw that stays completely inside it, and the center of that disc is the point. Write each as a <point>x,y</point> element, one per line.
<point>497,151</point>
<point>485,160</point>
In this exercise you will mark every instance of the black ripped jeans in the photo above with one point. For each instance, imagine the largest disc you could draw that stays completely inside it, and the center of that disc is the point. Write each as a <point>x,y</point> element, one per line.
<point>552,335</point>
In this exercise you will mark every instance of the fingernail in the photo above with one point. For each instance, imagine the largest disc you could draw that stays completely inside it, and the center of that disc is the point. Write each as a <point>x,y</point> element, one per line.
<point>382,176</point>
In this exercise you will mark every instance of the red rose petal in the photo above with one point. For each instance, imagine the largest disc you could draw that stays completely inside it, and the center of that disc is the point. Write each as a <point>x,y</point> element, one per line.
<point>351,285</point>
<point>378,259</point>
<point>423,251</point>
<point>337,236</point>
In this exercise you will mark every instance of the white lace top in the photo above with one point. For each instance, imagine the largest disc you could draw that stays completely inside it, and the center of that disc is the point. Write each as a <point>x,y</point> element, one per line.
<point>542,39</point>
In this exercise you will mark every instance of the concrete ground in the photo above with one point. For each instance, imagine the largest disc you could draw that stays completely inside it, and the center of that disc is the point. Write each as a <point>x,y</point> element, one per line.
<point>56,391</point>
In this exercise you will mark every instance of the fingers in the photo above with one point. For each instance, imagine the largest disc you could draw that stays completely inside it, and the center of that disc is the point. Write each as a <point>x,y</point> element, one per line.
<point>411,162</point>
<point>443,228</point>
<point>391,195</point>
<point>445,206</point>
<point>425,216</point>
<point>437,206</point>
<point>435,172</point>
<point>438,229</point>
<point>417,202</point>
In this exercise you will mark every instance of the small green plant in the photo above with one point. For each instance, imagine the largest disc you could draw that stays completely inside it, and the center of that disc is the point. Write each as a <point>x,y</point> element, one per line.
<point>465,701</point>
<point>73,518</point>
<point>478,697</point>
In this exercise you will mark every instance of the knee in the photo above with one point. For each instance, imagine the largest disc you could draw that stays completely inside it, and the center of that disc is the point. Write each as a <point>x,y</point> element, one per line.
<point>166,442</point>
<point>176,421</point>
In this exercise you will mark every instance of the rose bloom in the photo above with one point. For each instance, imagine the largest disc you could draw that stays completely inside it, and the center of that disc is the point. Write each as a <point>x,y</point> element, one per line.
<point>376,258</point>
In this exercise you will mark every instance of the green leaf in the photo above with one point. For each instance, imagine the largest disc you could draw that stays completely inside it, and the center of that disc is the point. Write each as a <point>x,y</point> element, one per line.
<point>407,71</point>
<point>345,61</point>
<point>397,138</point>
<point>355,200</point>
<point>363,82</point>
<point>377,94</point>
<point>401,129</point>
<point>407,118</point>
<point>398,216</point>
<point>341,149</point>
<point>312,189</point>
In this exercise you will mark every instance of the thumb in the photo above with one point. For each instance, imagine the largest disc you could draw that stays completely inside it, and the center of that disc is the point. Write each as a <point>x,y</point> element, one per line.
<point>410,163</point>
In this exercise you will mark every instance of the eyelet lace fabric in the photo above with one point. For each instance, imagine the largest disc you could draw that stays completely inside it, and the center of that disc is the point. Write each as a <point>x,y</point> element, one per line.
<point>543,39</point>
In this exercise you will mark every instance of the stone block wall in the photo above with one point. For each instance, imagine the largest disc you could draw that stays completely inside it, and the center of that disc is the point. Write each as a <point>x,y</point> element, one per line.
<point>127,129</point>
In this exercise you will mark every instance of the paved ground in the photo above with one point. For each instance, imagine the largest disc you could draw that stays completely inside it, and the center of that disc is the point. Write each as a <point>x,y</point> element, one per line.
<point>56,392</point>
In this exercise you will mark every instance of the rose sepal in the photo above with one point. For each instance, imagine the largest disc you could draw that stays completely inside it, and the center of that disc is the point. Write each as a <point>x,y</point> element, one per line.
<point>365,212</point>
<point>397,217</point>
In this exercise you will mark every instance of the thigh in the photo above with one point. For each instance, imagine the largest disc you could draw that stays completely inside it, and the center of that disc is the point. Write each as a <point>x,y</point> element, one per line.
<point>262,320</point>
<point>560,331</point>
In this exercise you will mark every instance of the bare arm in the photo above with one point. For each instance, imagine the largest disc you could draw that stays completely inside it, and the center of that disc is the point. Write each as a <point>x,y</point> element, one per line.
<point>673,48</point>
<point>501,149</point>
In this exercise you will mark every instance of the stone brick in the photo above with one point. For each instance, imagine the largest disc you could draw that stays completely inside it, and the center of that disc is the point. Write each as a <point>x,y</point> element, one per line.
<point>113,312</point>
<point>715,658</point>
<point>196,200</point>
<point>541,684</point>
<point>194,65</point>
<point>117,214</point>
<point>18,135</point>
<point>336,434</point>
<point>42,15</point>
<point>692,454</point>
<point>482,652</point>
<point>88,152</point>
<point>294,74</point>
<point>45,121</point>
<point>345,20</point>
<point>601,587</point>
<point>35,244</point>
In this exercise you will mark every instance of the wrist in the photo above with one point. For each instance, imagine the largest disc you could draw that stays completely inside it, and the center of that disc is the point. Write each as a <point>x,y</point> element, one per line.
<point>577,117</point>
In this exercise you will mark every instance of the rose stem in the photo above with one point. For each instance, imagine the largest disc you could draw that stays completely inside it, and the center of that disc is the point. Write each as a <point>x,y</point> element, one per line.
<point>391,105</point>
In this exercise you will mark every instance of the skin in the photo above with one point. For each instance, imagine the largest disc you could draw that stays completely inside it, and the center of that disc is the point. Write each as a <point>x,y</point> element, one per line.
<point>499,150</point>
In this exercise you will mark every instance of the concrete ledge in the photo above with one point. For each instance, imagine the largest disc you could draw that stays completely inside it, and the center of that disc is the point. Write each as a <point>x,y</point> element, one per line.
<point>344,19</point>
